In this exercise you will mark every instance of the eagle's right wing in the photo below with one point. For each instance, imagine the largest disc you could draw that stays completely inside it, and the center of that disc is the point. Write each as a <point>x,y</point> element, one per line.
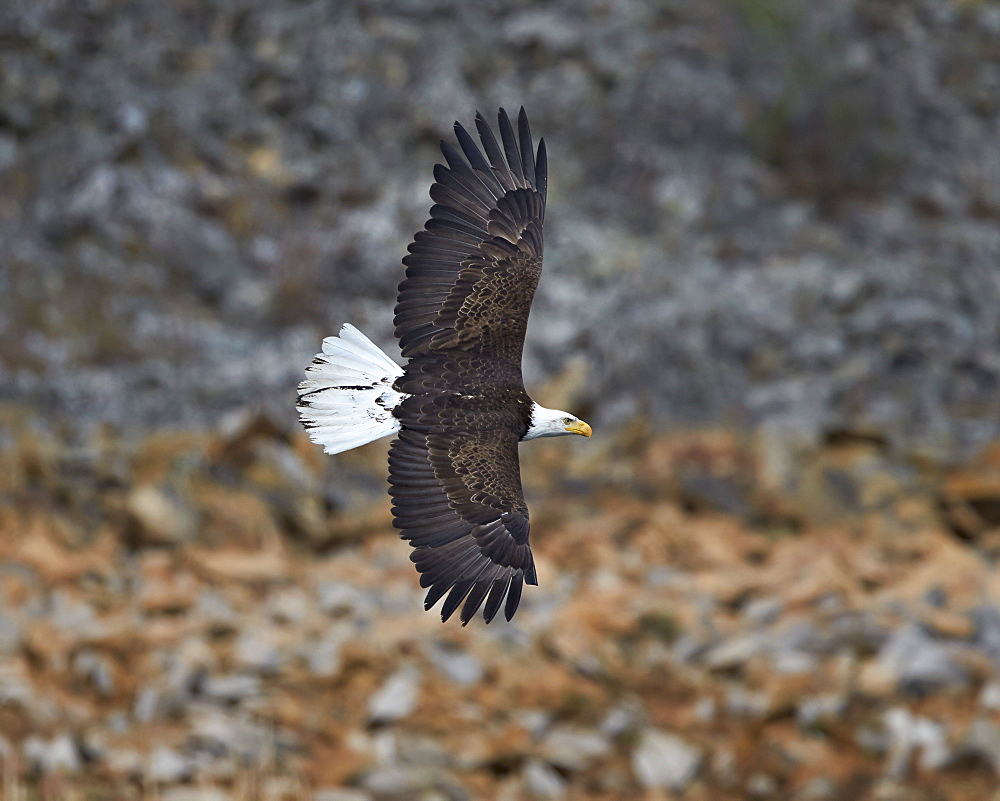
<point>471,273</point>
<point>457,498</point>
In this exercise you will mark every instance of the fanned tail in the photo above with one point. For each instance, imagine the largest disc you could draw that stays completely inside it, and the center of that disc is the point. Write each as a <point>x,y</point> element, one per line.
<point>347,397</point>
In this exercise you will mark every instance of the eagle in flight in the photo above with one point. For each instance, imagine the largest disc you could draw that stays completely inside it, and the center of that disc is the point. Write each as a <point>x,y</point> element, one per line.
<point>459,407</point>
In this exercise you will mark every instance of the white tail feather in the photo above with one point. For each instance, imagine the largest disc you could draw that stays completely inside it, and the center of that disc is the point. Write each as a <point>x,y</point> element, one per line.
<point>347,397</point>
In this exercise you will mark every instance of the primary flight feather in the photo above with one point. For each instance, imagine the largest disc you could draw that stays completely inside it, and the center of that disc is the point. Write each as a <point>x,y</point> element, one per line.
<point>459,406</point>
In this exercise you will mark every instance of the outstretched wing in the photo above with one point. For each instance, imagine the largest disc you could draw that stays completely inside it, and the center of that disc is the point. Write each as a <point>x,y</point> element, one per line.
<point>456,496</point>
<point>471,273</point>
<point>460,318</point>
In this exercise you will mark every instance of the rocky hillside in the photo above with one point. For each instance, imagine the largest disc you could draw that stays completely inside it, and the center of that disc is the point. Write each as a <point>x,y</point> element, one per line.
<point>718,618</point>
<point>760,212</point>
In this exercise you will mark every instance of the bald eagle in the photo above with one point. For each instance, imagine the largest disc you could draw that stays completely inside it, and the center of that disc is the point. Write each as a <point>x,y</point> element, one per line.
<point>459,407</point>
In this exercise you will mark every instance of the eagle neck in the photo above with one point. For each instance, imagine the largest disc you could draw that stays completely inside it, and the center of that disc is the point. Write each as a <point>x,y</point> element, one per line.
<point>541,422</point>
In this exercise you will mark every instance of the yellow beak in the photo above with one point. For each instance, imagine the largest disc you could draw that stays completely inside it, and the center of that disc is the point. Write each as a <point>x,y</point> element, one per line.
<point>580,427</point>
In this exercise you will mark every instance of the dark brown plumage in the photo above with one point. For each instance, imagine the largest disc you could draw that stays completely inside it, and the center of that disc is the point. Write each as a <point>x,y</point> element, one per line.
<point>460,318</point>
<point>459,406</point>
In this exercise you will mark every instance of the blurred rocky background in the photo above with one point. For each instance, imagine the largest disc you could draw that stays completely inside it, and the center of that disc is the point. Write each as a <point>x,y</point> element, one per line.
<point>773,230</point>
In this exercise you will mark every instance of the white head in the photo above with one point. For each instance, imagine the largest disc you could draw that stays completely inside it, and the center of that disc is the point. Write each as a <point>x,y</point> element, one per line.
<point>554,423</point>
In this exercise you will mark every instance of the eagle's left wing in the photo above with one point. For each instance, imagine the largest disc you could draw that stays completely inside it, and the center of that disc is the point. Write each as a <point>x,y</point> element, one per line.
<point>457,498</point>
<point>471,273</point>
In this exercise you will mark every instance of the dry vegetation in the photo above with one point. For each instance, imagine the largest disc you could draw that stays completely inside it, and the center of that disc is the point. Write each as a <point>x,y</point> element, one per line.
<point>202,617</point>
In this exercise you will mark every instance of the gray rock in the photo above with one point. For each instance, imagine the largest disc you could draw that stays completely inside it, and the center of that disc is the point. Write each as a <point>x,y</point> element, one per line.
<point>10,633</point>
<point>820,710</point>
<point>396,698</point>
<point>989,696</point>
<point>260,649</point>
<point>734,652</point>
<point>553,30</point>
<point>97,669</point>
<point>295,475</point>
<point>760,785</point>
<point>151,702</point>
<point>8,151</point>
<point>72,616</point>
<point>232,732</point>
<point>746,703</point>
<point>146,702</point>
<point>763,611</point>
<point>705,709</point>
<point>623,718</point>
<point>459,666</point>
<point>338,794</point>
<point>323,656</point>
<point>688,649</point>
<point>982,740</point>
<point>215,610</point>
<point>182,673</point>
<point>58,755</point>
<point>920,662</point>
<point>232,687</point>
<point>161,516</point>
<point>908,733</point>
<point>215,730</point>
<point>289,606</point>
<point>790,661</point>
<point>194,794</point>
<point>535,721</point>
<point>340,598</point>
<point>409,782</point>
<point>871,739</point>
<point>819,788</point>
<point>167,765</point>
<point>93,196</point>
<point>574,747</point>
<point>987,636</point>
<point>541,781</point>
<point>662,760</point>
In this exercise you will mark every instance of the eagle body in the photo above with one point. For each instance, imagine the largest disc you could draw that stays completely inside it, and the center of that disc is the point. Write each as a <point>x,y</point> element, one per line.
<point>459,407</point>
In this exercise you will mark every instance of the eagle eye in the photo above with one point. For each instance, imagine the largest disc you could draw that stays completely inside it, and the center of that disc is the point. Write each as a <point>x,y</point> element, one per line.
<point>567,420</point>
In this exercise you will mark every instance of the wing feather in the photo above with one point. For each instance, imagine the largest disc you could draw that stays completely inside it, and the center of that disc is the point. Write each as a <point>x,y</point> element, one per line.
<point>541,177</point>
<point>474,155</point>
<point>460,201</point>
<point>441,516</point>
<point>441,212</point>
<point>510,149</point>
<point>513,595</point>
<point>452,232</point>
<point>498,165</point>
<point>524,142</point>
<point>460,317</point>
<point>481,174</point>
<point>464,182</point>
<point>497,592</point>
<point>456,596</point>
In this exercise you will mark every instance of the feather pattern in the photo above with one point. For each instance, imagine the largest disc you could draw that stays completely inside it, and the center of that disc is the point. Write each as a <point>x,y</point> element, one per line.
<point>456,555</point>
<point>460,317</point>
<point>347,397</point>
<point>459,406</point>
